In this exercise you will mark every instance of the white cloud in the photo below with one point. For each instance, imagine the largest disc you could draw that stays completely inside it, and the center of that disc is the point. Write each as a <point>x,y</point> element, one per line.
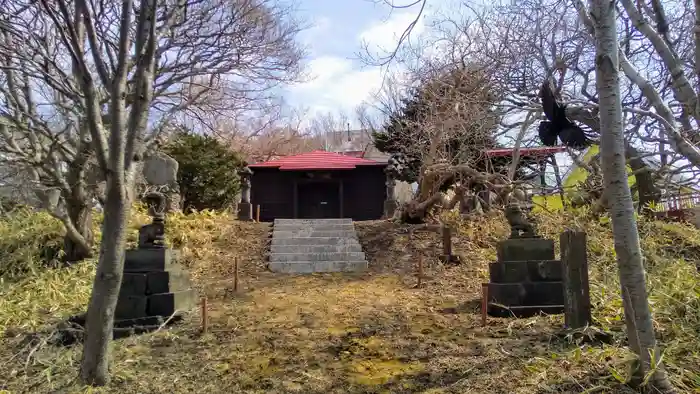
<point>318,28</point>
<point>336,86</point>
<point>384,35</point>
<point>336,83</point>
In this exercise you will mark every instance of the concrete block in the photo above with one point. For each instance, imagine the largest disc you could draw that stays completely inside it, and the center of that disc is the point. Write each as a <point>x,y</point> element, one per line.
<point>333,256</point>
<point>309,267</point>
<point>525,271</point>
<point>166,304</point>
<point>524,249</point>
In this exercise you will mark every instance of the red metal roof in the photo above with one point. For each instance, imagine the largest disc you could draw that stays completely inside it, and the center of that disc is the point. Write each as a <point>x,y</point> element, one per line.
<point>537,151</point>
<point>317,160</point>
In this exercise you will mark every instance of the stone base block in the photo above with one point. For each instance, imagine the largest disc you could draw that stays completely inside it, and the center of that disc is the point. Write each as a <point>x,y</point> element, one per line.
<point>131,307</point>
<point>133,284</point>
<point>129,327</point>
<point>245,211</point>
<point>167,303</point>
<point>147,260</point>
<point>524,311</point>
<point>526,294</point>
<point>167,282</point>
<point>525,249</point>
<point>147,283</point>
<point>525,271</point>
<point>71,331</point>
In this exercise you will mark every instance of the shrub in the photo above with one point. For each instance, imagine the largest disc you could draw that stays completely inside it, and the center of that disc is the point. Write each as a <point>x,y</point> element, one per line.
<point>208,172</point>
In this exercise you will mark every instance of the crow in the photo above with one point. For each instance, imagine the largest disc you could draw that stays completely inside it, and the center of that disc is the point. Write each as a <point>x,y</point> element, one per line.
<point>558,124</point>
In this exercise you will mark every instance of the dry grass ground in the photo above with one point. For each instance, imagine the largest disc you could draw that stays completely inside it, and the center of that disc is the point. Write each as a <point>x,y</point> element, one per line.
<point>369,333</point>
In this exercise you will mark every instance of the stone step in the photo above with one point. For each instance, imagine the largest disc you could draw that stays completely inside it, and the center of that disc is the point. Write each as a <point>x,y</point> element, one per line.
<point>315,234</point>
<point>526,293</point>
<point>315,241</point>
<point>309,267</point>
<point>332,256</point>
<point>315,227</point>
<point>312,221</point>
<point>525,271</point>
<point>348,247</point>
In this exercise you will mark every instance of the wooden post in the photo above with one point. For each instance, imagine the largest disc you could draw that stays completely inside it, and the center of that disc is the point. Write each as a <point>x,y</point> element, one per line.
<point>257,213</point>
<point>484,302</point>
<point>420,272</point>
<point>446,243</point>
<point>235,274</point>
<point>205,322</point>
<point>577,298</point>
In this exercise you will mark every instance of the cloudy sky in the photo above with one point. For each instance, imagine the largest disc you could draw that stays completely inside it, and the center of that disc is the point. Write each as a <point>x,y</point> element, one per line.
<point>340,80</point>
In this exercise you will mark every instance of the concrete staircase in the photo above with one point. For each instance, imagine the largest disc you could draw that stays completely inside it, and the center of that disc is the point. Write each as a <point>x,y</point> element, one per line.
<point>303,246</point>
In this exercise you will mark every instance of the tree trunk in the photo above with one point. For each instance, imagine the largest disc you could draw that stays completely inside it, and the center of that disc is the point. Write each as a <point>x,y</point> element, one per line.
<point>640,330</point>
<point>77,250</point>
<point>105,289</point>
<point>77,245</point>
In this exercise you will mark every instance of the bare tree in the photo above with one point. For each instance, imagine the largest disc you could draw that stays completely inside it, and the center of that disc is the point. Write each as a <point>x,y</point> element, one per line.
<point>212,57</point>
<point>85,81</point>
<point>640,329</point>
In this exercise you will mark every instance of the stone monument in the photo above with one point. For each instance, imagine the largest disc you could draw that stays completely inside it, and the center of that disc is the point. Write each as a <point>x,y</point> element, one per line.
<point>160,170</point>
<point>526,279</point>
<point>154,286</point>
<point>390,201</point>
<point>245,208</point>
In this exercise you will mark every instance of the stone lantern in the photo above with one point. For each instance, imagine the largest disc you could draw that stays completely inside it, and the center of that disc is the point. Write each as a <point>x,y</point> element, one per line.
<point>245,208</point>
<point>390,201</point>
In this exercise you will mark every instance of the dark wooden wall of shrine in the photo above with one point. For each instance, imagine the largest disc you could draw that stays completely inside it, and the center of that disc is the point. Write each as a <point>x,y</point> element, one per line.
<point>361,191</point>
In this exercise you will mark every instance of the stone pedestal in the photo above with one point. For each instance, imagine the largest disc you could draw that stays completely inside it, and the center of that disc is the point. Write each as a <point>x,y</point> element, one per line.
<point>524,249</point>
<point>389,208</point>
<point>245,211</point>
<point>526,279</point>
<point>153,288</point>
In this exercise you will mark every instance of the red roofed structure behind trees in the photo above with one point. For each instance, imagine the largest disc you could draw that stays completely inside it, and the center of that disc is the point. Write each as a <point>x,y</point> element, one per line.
<point>322,184</point>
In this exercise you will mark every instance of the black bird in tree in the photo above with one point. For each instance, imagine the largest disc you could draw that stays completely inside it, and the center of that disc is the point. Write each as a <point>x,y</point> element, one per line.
<point>558,124</point>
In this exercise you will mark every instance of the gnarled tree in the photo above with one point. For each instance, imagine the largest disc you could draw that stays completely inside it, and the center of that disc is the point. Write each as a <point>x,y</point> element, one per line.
<point>438,136</point>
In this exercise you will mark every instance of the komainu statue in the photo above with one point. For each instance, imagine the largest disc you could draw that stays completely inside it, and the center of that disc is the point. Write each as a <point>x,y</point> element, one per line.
<point>516,211</point>
<point>152,236</point>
